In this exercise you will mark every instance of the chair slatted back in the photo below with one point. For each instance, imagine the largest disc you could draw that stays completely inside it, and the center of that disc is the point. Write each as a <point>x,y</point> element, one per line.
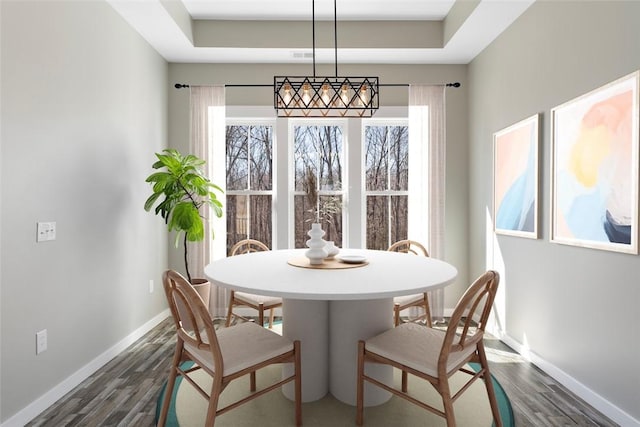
<point>194,312</point>
<point>469,318</point>
<point>247,246</point>
<point>409,247</point>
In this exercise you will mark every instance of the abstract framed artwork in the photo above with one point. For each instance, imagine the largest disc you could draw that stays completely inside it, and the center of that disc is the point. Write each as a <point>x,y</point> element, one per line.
<point>594,171</point>
<point>515,179</point>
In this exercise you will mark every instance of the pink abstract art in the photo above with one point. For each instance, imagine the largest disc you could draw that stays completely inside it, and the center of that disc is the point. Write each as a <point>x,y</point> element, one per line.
<point>595,168</point>
<point>516,179</point>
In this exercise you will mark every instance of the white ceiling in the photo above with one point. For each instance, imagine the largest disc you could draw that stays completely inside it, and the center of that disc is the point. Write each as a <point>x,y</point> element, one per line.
<point>166,24</point>
<point>301,9</point>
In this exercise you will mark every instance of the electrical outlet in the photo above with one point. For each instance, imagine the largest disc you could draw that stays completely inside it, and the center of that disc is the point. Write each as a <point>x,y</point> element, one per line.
<point>46,231</point>
<point>41,341</point>
<point>151,286</point>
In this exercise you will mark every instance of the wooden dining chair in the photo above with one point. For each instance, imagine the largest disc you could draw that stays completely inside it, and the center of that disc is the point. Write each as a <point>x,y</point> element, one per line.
<point>225,354</point>
<point>404,302</point>
<point>260,303</point>
<point>435,355</point>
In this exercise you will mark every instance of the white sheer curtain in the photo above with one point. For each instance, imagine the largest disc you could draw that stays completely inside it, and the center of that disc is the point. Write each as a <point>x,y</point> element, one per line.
<point>427,143</point>
<point>208,142</point>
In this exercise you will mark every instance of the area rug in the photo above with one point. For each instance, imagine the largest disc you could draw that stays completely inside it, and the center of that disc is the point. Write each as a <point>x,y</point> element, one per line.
<point>188,408</point>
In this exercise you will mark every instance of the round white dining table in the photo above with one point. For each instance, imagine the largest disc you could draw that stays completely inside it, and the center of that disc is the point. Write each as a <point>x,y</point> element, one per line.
<point>329,310</point>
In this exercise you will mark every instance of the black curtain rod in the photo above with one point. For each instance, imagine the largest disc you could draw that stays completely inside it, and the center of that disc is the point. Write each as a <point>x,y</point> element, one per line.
<point>180,85</point>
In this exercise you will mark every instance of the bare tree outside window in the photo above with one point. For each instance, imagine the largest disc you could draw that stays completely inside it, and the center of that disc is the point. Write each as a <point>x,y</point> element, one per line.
<point>249,164</point>
<point>318,193</point>
<point>386,184</point>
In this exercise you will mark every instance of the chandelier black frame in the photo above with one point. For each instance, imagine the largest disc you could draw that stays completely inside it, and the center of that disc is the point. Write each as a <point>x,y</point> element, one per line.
<point>300,96</point>
<point>335,96</point>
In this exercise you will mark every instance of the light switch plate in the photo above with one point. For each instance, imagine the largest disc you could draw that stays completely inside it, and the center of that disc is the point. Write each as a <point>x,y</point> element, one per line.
<point>41,341</point>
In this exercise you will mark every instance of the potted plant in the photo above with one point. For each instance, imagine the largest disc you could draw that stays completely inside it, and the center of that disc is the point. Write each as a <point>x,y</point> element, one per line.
<point>184,188</point>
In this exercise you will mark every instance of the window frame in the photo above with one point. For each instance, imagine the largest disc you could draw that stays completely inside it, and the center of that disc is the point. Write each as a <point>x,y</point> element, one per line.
<point>387,122</point>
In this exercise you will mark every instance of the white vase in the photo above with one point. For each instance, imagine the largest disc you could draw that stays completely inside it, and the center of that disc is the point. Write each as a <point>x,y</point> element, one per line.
<point>316,244</point>
<point>332,249</point>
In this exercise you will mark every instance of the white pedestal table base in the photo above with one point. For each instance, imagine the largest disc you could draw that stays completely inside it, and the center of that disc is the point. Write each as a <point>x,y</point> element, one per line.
<point>308,321</point>
<point>329,332</point>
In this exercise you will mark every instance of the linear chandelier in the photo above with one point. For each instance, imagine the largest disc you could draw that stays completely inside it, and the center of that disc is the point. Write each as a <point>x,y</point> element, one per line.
<point>334,96</point>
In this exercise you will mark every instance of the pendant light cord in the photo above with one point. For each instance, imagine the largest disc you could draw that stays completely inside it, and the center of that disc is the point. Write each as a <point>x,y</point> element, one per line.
<point>335,34</point>
<point>313,30</point>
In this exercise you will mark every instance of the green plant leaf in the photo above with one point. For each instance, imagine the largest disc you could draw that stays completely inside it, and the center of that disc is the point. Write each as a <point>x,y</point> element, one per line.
<point>190,159</point>
<point>196,234</point>
<point>151,200</point>
<point>186,217</point>
<point>211,184</point>
<point>158,176</point>
<point>217,208</point>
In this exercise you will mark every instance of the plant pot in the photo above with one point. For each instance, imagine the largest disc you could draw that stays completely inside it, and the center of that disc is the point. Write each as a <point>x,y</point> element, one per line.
<point>203,288</point>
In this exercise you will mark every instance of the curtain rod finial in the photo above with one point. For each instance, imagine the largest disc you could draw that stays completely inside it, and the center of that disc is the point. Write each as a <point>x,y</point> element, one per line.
<point>456,84</point>
<point>180,86</point>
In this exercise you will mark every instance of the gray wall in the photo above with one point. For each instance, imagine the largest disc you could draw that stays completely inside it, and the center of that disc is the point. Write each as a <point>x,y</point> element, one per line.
<point>84,106</point>
<point>456,248</point>
<point>575,308</point>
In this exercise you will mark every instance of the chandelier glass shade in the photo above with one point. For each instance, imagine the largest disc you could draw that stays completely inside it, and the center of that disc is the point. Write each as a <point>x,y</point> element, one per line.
<point>301,96</point>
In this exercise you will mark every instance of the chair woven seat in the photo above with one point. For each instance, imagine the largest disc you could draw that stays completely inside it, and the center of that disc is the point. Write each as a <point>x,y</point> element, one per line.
<point>242,346</point>
<point>416,347</point>
<point>257,299</point>
<point>408,299</point>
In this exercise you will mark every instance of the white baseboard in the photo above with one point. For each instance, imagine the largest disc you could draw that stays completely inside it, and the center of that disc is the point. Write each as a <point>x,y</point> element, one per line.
<point>36,407</point>
<point>585,393</point>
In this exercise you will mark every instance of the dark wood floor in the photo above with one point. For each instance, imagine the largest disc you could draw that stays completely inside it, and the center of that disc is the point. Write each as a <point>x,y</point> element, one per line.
<point>124,392</point>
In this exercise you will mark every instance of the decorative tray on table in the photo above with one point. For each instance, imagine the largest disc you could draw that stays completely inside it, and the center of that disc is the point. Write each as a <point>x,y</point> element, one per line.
<point>343,261</point>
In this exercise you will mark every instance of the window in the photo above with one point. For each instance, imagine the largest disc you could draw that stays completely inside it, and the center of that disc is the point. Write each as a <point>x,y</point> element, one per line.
<point>386,175</point>
<point>249,183</point>
<point>318,181</point>
<point>358,176</point>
